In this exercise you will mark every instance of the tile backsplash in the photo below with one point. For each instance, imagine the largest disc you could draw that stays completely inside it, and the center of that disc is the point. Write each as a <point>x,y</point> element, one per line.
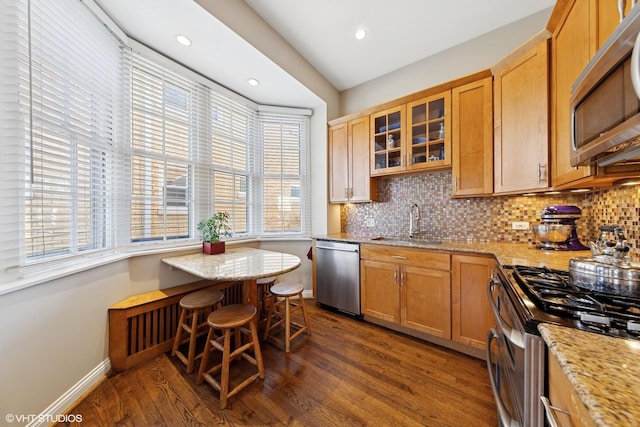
<point>486,219</point>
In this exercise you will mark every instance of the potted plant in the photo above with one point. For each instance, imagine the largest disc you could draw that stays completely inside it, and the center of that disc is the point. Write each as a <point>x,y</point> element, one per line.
<point>211,229</point>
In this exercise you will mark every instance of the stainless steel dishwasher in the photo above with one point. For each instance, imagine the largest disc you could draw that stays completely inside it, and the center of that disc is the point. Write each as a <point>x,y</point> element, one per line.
<point>338,275</point>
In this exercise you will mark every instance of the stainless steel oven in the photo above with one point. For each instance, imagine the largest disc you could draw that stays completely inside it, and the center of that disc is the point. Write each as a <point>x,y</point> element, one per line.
<point>521,298</point>
<point>515,359</point>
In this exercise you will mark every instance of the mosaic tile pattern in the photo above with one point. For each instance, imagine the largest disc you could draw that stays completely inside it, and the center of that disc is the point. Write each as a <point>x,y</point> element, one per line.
<point>486,219</point>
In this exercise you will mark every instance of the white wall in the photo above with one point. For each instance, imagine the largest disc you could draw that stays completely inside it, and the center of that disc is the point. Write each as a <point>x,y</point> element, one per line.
<point>459,61</point>
<point>54,334</point>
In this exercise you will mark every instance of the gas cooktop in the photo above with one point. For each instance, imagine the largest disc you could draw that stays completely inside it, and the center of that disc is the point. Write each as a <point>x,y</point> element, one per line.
<point>548,295</point>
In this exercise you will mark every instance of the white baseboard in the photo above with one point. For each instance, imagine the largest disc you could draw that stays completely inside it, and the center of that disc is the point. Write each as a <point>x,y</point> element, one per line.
<point>64,402</point>
<point>307,294</point>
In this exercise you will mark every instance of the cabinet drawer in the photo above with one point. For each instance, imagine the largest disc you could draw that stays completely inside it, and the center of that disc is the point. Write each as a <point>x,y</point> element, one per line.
<point>401,255</point>
<point>562,395</point>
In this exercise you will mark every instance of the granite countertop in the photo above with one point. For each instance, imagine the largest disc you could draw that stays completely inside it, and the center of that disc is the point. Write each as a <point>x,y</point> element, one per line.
<point>604,371</point>
<point>235,264</point>
<point>505,253</point>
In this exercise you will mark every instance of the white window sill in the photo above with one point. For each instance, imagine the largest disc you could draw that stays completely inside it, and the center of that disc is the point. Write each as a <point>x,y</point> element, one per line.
<point>77,266</point>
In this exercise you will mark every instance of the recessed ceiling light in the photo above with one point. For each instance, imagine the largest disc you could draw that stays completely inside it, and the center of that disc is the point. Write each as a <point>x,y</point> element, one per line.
<point>253,82</point>
<point>360,34</point>
<point>183,40</point>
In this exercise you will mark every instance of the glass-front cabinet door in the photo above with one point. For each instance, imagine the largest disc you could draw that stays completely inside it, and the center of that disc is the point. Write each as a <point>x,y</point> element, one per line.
<point>429,129</point>
<point>388,141</point>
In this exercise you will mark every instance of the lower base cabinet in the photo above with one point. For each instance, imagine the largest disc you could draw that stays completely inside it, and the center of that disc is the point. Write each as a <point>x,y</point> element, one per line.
<point>408,287</point>
<point>566,407</point>
<point>426,300</point>
<point>471,316</point>
<point>380,292</point>
<point>435,293</point>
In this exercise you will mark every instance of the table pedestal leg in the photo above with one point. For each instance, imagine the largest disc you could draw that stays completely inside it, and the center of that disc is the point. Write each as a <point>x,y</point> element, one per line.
<point>250,293</point>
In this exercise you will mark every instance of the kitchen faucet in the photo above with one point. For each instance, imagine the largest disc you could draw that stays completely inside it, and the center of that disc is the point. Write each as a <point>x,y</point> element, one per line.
<point>414,215</point>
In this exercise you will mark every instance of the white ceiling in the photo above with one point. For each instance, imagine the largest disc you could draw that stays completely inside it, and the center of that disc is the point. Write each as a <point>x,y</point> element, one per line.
<point>400,32</point>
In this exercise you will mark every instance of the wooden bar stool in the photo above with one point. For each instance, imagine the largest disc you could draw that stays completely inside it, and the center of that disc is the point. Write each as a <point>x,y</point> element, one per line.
<point>282,293</point>
<point>231,319</point>
<point>195,307</point>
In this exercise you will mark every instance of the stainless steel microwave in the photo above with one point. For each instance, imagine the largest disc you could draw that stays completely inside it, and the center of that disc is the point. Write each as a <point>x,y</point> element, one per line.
<point>605,100</point>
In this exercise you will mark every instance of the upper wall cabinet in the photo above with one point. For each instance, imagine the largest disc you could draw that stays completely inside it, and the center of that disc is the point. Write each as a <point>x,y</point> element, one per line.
<point>472,139</point>
<point>349,178</point>
<point>429,143</point>
<point>388,135</point>
<point>521,117</point>
<point>412,137</point>
<point>573,44</point>
<point>583,28</point>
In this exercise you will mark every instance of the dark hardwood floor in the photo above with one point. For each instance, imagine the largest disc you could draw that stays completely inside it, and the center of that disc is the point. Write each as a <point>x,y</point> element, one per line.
<point>347,373</point>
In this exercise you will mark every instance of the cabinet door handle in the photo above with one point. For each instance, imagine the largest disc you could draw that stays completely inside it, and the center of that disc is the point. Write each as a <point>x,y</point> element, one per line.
<point>401,277</point>
<point>550,411</point>
<point>542,177</point>
<point>399,257</point>
<point>395,277</point>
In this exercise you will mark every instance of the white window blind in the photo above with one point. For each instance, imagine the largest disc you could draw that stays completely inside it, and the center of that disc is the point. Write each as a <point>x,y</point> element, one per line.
<point>232,152</point>
<point>165,117</point>
<point>284,160</point>
<point>62,104</point>
<point>191,154</point>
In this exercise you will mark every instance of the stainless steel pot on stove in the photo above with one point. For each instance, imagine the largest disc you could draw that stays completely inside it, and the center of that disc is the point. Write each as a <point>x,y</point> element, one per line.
<point>596,274</point>
<point>609,269</point>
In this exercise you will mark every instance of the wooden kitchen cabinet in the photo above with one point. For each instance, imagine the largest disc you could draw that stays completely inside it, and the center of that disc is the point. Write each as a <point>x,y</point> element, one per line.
<point>349,178</point>
<point>471,315</point>
<point>380,290</point>
<point>563,396</point>
<point>429,128</point>
<point>426,300</point>
<point>521,117</point>
<point>573,44</point>
<point>472,139</point>
<point>582,29</point>
<point>407,287</point>
<point>388,146</point>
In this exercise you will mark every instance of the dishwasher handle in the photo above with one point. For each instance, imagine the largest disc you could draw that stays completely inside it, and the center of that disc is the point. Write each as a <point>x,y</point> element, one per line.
<point>337,249</point>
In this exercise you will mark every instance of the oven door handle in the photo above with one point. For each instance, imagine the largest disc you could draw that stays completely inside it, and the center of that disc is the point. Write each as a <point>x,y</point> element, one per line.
<point>505,418</point>
<point>514,336</point>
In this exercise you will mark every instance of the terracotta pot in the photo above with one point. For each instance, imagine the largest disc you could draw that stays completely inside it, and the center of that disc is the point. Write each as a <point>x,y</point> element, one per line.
<point>213,248</point>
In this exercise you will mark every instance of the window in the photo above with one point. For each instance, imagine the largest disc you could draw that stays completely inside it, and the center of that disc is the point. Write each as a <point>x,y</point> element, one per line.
<point>232,134</point>
<point>64,103</point>
<point>285,164</point>
<point>104,145</point>
<point>164,136</point>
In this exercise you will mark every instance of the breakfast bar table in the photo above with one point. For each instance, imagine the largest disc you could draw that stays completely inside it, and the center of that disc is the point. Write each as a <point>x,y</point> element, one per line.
<point>244,265</point>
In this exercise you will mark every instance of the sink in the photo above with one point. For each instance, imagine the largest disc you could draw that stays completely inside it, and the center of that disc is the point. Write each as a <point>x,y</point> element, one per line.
<point>399,239</point>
